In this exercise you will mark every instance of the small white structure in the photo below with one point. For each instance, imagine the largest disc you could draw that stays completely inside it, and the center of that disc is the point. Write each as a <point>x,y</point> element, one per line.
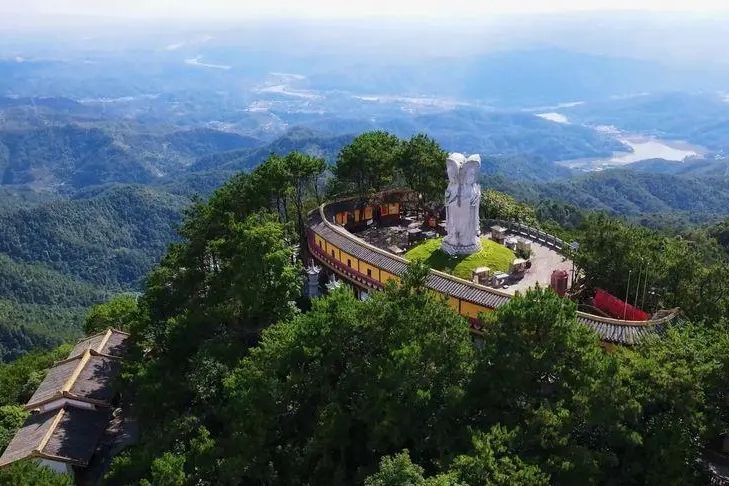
<point>333,283</point>
<point>462,200</point>
<point>523,247</point>
<point>498,234</point>
<point>482,275</point>
<point>312,280</point>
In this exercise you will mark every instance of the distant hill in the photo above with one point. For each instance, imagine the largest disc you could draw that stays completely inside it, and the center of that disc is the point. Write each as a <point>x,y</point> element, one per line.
<point>693,168</point>
<point>59,256</point>
<point>303,139</point>
<point>109,237</point>
<point>519,144</point>
<point>39,306</point>
<point>488,133</point>
<point>523,169</point>
<point>70,157</point>
<point>631,193</point>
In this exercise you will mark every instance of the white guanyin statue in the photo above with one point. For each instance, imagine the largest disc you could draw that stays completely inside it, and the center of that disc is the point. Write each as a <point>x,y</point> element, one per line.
<point>462,200</point>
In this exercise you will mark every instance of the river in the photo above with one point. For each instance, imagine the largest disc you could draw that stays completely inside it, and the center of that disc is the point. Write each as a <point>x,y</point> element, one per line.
<point>643,148</point>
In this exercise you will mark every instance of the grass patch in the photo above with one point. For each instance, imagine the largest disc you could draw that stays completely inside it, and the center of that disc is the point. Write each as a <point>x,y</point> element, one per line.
<point>493,255</point>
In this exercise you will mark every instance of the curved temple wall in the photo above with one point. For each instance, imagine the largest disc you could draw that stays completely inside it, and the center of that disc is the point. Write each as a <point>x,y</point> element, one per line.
<point>369,267</point>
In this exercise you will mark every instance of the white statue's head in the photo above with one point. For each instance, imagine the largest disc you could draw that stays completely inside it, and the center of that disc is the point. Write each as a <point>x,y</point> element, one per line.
<point>462,170</point>
<point>470,169</point>
<point>453,166</point>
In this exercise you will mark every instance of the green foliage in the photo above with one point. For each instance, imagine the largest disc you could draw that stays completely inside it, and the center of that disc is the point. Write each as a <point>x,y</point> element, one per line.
<point>29,473</point>
<point>328,392</point>
<point>661,200</point>
<point>26,327</point>
<point>99,239</point>
<point>167,470</point>
<point>493,255</point>
<point>232,275</point>
<point>721,233</point>
<point>399,470</point>
<point>690,274</point>
<point>34,283</point>
<point>679,384</point>
<point>494,461</point>
<point>234,385</point>
<point>11,419</point>
<point>497,205</point>
<point>59,257</point>
<point>117,313</point>
<point>560,219</point>
<point>367,165</point>
<point>326,395</point>
<point>491,461</point>
<point>541,371</point>
<point>20,378</point>
<point>422,166</point>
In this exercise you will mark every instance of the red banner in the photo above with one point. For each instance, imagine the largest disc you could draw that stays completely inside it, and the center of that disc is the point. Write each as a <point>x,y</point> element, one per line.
<point>617,308</point>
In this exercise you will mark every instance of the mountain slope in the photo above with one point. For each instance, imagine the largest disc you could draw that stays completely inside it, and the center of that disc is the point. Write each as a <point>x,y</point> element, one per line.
<point>109,237</point>
<point>631,193</point>
<point>303,139</point>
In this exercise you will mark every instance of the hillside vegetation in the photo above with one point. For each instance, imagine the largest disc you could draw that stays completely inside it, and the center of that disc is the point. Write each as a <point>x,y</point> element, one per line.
<point>57,258</point>
<point>631,193</point>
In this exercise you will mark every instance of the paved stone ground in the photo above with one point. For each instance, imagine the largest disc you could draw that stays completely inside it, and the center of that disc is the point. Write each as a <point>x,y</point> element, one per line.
<point>544,261</point>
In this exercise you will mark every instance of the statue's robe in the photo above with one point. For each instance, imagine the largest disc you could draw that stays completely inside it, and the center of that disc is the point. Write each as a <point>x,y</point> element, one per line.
<point>462,199</point>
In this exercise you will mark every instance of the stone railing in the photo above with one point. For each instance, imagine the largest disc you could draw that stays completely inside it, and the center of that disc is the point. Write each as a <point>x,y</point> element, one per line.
<point>533,234</point>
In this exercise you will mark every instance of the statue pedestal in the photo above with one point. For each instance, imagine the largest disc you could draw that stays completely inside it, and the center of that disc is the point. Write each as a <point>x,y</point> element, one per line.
<point>460,249</point>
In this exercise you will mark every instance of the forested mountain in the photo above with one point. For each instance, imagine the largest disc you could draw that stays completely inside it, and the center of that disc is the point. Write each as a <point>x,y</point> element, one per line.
<point>305,140</point>
<point>58,257</point>
<point>73,156</point>
<point>714,167</point>
<point>631,193</point>
<point>391,390</point>
<point>175,164</point>
<point>110,238</point>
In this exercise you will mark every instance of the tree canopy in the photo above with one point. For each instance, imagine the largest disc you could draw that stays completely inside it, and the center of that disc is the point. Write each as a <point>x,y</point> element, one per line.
<point>367,165</point>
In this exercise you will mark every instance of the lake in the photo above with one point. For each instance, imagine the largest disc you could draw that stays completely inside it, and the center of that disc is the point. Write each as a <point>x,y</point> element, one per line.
<point>644,148</point>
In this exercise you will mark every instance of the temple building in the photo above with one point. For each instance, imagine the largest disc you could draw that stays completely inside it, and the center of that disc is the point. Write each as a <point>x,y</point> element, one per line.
<point>72,408</point>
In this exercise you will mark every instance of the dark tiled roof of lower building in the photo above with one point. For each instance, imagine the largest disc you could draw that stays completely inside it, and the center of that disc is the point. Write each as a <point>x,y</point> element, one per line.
<point>67,434</point>
<point>88,377</point>
<point>110,342</point>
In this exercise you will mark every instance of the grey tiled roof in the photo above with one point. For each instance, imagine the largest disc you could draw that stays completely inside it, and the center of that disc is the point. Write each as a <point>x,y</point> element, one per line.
<point>111,342</point>
<point>66,434</point>
<point>81,388</point>
<point>88,377</point>
<point>54,381</point>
